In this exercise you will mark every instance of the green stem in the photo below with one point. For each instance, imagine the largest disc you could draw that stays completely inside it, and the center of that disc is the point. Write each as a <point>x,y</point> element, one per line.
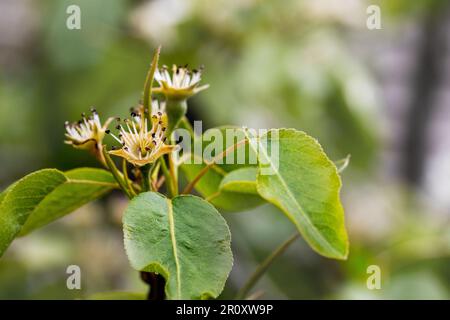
<point>116,173</point>
<point>175,109</point>
<point>146,171</point>
<point>262,268</point>
<point>127,179</point>
<point>173,170</point>
<point>185,124</point>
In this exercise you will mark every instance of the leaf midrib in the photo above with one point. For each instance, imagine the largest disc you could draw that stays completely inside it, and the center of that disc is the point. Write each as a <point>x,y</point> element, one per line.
<point>98,183</point>
<point>174,245</point>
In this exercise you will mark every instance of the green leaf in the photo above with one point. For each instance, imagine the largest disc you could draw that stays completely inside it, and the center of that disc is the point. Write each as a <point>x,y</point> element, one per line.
<point>46,195</point>
<point>305,185</point>
<point>223,196</point>
<point>184,239</point>
<point>227,197</point>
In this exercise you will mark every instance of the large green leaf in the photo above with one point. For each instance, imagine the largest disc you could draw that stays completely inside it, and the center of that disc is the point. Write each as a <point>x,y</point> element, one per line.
<point>184,239</point>
<point>228,197</point>
<point>46,195</point>
<point>305,185</point>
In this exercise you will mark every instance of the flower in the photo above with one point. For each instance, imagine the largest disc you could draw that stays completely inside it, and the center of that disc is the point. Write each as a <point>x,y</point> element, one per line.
<point>139,145</point>
<point>182,85</point>
<point>88,133</point>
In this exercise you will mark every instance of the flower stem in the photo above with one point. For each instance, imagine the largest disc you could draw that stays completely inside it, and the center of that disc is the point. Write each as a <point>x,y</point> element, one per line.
<point>167,175</point>
<point>97,152</point>
<point>262,268</point>
<point>145,170</point>
<point>176,110</point>
<point>127,179</point>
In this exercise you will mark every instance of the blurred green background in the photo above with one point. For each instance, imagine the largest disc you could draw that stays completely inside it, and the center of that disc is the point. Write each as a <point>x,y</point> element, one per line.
<point>380,95</point>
